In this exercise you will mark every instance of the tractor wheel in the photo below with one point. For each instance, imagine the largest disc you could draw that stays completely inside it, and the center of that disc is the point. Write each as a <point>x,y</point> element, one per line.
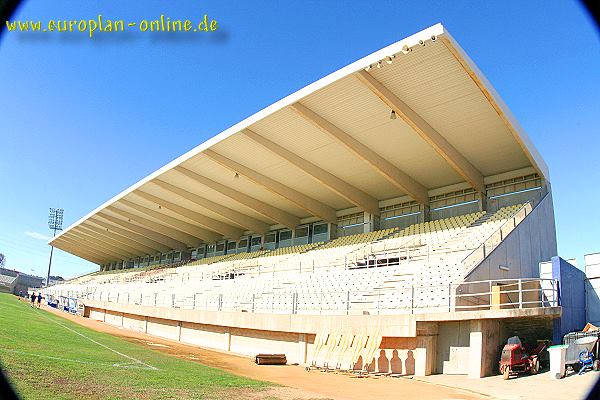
<point>506,373</point>
<point>535,366</point>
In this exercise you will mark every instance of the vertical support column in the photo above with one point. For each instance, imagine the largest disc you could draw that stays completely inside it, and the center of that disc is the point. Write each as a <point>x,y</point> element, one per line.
<point>484,341</point>
<point>368,222</point>
<point>424,214</point>
<point>302,348</point>
<point>145,324</point>
<point>371,222</point>
<point>179,331</point>
<point>483,200</point>
<point>331,231</point>
<point>426,348</point>
<point>228,340</point>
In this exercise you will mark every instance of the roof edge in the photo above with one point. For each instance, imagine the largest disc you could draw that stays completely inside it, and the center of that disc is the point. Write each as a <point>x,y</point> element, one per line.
<point>498,104</point>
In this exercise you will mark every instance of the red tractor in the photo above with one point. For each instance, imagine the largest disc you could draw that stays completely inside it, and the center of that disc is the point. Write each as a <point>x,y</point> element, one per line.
<point>516,359</point>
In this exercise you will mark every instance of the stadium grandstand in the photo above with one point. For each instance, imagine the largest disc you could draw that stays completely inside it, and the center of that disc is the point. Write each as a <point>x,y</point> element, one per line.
<point>18,283</point>
<point>389,217</point>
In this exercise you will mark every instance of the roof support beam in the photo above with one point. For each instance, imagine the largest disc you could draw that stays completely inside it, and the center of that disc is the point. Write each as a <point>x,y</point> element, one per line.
<point>172,237</point>
<point>389,171</point>
<point>178,224</point>
<point>90,250</point>
<point>116,239</point>
<point>167,242</point>
<point>274,213</point>
<point>238,218</point>
<point>439,143</point>
<point>181,237</point>
<point>127,234</point>
<point>207,222</point>
<point>95,243</point>
<point>335,184</point>
<point>311,205</point>
<point>82,254</point>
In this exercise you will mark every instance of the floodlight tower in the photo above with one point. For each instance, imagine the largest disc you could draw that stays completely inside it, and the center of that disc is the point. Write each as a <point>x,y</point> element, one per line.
<point>55,221</point>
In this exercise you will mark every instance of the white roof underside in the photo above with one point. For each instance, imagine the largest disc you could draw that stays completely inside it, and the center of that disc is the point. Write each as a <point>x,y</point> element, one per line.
<point>437,81</point>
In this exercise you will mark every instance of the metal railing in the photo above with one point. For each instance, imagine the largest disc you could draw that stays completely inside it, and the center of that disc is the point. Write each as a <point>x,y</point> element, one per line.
<point>467,296</point>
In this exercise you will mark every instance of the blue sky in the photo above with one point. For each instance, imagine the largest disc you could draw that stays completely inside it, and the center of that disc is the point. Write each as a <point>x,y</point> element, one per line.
<point>82,119</point>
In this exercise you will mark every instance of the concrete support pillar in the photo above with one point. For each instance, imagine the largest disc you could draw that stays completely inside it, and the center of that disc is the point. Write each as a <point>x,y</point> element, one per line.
<point>426,348</point>
<point>483,200</point>
<point>484,340</point>
<point>145,324</point>
<point>302,348</point>
<point>331,231</point>
<point>371,222</point>
<point>228,340</point>
<point>122,318</point>
<point>179,331</point>
<point>424,214</point>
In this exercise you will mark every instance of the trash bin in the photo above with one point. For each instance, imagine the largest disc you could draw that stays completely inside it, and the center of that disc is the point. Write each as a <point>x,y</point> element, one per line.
<point>557,360</point>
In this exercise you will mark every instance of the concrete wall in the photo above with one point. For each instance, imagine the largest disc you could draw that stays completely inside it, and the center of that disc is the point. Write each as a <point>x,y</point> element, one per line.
<point>592,288</point>
<point>252,342</point>
<point>453,347</point>
<point>531,242</point>
<point>134,322</point>
<point>163,328</point>
<point>572,298</point>
<point>472,335</point>
<point>400,355</point>
<point>216,337</point>
<point>484,343</point>
<point>392,325</point>
<point>97,314</point>
<point>113,318</point>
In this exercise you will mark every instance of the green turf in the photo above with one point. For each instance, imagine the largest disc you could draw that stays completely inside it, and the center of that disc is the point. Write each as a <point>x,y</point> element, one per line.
<point>45,360</point>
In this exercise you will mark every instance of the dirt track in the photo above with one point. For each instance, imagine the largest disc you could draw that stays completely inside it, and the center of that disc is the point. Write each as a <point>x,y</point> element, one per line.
<point>300,384</point>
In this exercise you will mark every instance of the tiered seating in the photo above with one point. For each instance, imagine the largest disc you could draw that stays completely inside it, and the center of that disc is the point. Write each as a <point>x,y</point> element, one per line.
<point>283,251</point>
<point>316,278</point>
<point>7,282</point>
<point>210,260</point>
<point>357,239</point>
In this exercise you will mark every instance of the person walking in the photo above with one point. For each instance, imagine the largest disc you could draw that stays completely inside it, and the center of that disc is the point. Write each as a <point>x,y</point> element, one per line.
<point>32,299</point>
<point>39,299</point>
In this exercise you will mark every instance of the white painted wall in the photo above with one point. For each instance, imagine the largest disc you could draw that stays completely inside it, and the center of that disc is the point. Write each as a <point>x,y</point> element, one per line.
<point>134,322</point>
<point>214,337</point>
<point>163,327</point>
<point>96,314</point>
<point>113,318</point>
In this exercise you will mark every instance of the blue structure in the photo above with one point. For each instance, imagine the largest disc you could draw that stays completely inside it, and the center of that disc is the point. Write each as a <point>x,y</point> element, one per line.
<point>571,281</point>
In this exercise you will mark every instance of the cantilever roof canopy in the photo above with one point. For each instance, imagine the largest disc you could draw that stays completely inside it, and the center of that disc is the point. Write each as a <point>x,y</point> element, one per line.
<point>330,146</point>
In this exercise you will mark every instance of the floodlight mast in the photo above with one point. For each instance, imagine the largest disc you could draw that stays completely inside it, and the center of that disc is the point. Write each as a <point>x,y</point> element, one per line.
<point>55,221</point>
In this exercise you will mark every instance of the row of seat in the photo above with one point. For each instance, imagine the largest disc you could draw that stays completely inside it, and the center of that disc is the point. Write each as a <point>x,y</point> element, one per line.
<point>418,274</point>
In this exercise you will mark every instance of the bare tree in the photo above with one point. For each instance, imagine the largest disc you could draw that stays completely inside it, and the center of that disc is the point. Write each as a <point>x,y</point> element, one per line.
<point>2,260</point>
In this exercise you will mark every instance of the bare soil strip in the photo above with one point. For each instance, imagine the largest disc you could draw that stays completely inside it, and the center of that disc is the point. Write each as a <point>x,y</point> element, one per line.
<point>307,385</point>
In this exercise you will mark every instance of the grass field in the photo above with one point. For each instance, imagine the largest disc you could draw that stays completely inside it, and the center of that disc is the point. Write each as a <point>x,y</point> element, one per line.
<point>48,357</point>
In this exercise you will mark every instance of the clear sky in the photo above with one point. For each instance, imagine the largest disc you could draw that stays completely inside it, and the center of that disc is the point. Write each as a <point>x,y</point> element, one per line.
<point>82,119</point>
